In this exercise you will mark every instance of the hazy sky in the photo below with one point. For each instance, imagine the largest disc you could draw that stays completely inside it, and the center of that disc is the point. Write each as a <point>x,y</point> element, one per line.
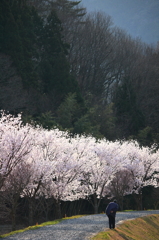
<point>140,18</point>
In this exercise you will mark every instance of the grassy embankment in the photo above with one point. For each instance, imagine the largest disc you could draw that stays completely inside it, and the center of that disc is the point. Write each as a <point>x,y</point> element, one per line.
<point>146,228</point>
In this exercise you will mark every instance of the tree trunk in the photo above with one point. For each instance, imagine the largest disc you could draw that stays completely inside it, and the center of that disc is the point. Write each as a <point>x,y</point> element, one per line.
<point>138,200</point>
<point>13,219</point>
<point>156,204</point>
<point>14,210</point>
<point>58,209</point>
<point>120,202</point>
<point>95,203</point>
<point>30,212</point>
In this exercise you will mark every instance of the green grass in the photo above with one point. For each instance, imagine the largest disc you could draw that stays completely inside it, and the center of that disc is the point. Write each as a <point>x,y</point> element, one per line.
<point>40,225</point>
<point>146,228</point>
<point>128,210</point>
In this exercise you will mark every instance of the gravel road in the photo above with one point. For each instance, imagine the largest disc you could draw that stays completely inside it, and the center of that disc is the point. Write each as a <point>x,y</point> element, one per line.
<point>77,229</point>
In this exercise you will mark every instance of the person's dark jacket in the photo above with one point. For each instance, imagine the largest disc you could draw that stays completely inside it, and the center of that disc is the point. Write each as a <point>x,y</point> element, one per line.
<point>111,209</point>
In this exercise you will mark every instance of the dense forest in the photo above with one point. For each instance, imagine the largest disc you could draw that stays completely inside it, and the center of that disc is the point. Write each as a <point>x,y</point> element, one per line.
<point>61,66</point>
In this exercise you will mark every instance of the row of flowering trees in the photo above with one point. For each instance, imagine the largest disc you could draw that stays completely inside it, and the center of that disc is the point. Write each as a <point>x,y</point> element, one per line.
<point>36,162</point>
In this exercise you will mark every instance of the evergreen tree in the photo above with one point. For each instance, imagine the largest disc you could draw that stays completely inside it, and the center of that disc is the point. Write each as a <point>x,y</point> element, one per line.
<point>38,53</point>
<point>129,117</point>
<point>19,24</point>
<point>67,111</point>
<point>54,67</point>
<point>69,8</point>
<point>71,15</point>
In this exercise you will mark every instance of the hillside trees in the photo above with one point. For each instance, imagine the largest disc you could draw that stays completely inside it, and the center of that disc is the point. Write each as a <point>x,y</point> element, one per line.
<point>147,95</point>
<point>106,62</point>
<point>67,112</point>
<point>37,51</point>
<point>77,118</point>
<point>130,117</point>
<point>124,90</point>
<point>18,38</point>
<point>134,66</point>
<point>60,51</point>
<point>91,60</point>
<point>113,70</point>
<point>101,58</point>
<point>90,57</point>
<point>68,10</point>
<point>53,60</point>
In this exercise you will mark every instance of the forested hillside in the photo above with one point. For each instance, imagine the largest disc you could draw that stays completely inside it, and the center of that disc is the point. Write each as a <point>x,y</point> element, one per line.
<point>61,66</point>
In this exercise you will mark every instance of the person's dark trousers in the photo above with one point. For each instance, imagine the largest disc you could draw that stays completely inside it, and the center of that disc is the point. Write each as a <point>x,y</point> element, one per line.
<point>111,221</point>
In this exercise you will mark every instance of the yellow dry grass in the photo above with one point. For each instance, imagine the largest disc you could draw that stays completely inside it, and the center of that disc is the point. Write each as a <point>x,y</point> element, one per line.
<point>144,228</point>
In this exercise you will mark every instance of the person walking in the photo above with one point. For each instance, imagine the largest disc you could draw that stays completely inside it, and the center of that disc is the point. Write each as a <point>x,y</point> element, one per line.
<point>110,211</point>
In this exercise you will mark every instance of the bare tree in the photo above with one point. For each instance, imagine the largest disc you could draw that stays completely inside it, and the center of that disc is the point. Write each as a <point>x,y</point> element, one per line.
<point>91,54</point>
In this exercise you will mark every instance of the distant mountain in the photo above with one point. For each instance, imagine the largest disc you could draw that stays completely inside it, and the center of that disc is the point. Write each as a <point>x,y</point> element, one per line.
<point>140,18</point>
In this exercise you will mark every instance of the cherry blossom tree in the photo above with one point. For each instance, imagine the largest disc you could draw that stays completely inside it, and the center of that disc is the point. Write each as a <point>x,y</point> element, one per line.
<point>15,144</point>
<point>41,164</point>
<point>12,189</point>
<point>65,178</point>
<point>142,163</point>
<point>100,170</point>
<point>37,162</point>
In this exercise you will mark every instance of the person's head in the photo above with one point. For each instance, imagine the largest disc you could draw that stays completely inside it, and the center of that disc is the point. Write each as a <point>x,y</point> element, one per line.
<point>115,200</point>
